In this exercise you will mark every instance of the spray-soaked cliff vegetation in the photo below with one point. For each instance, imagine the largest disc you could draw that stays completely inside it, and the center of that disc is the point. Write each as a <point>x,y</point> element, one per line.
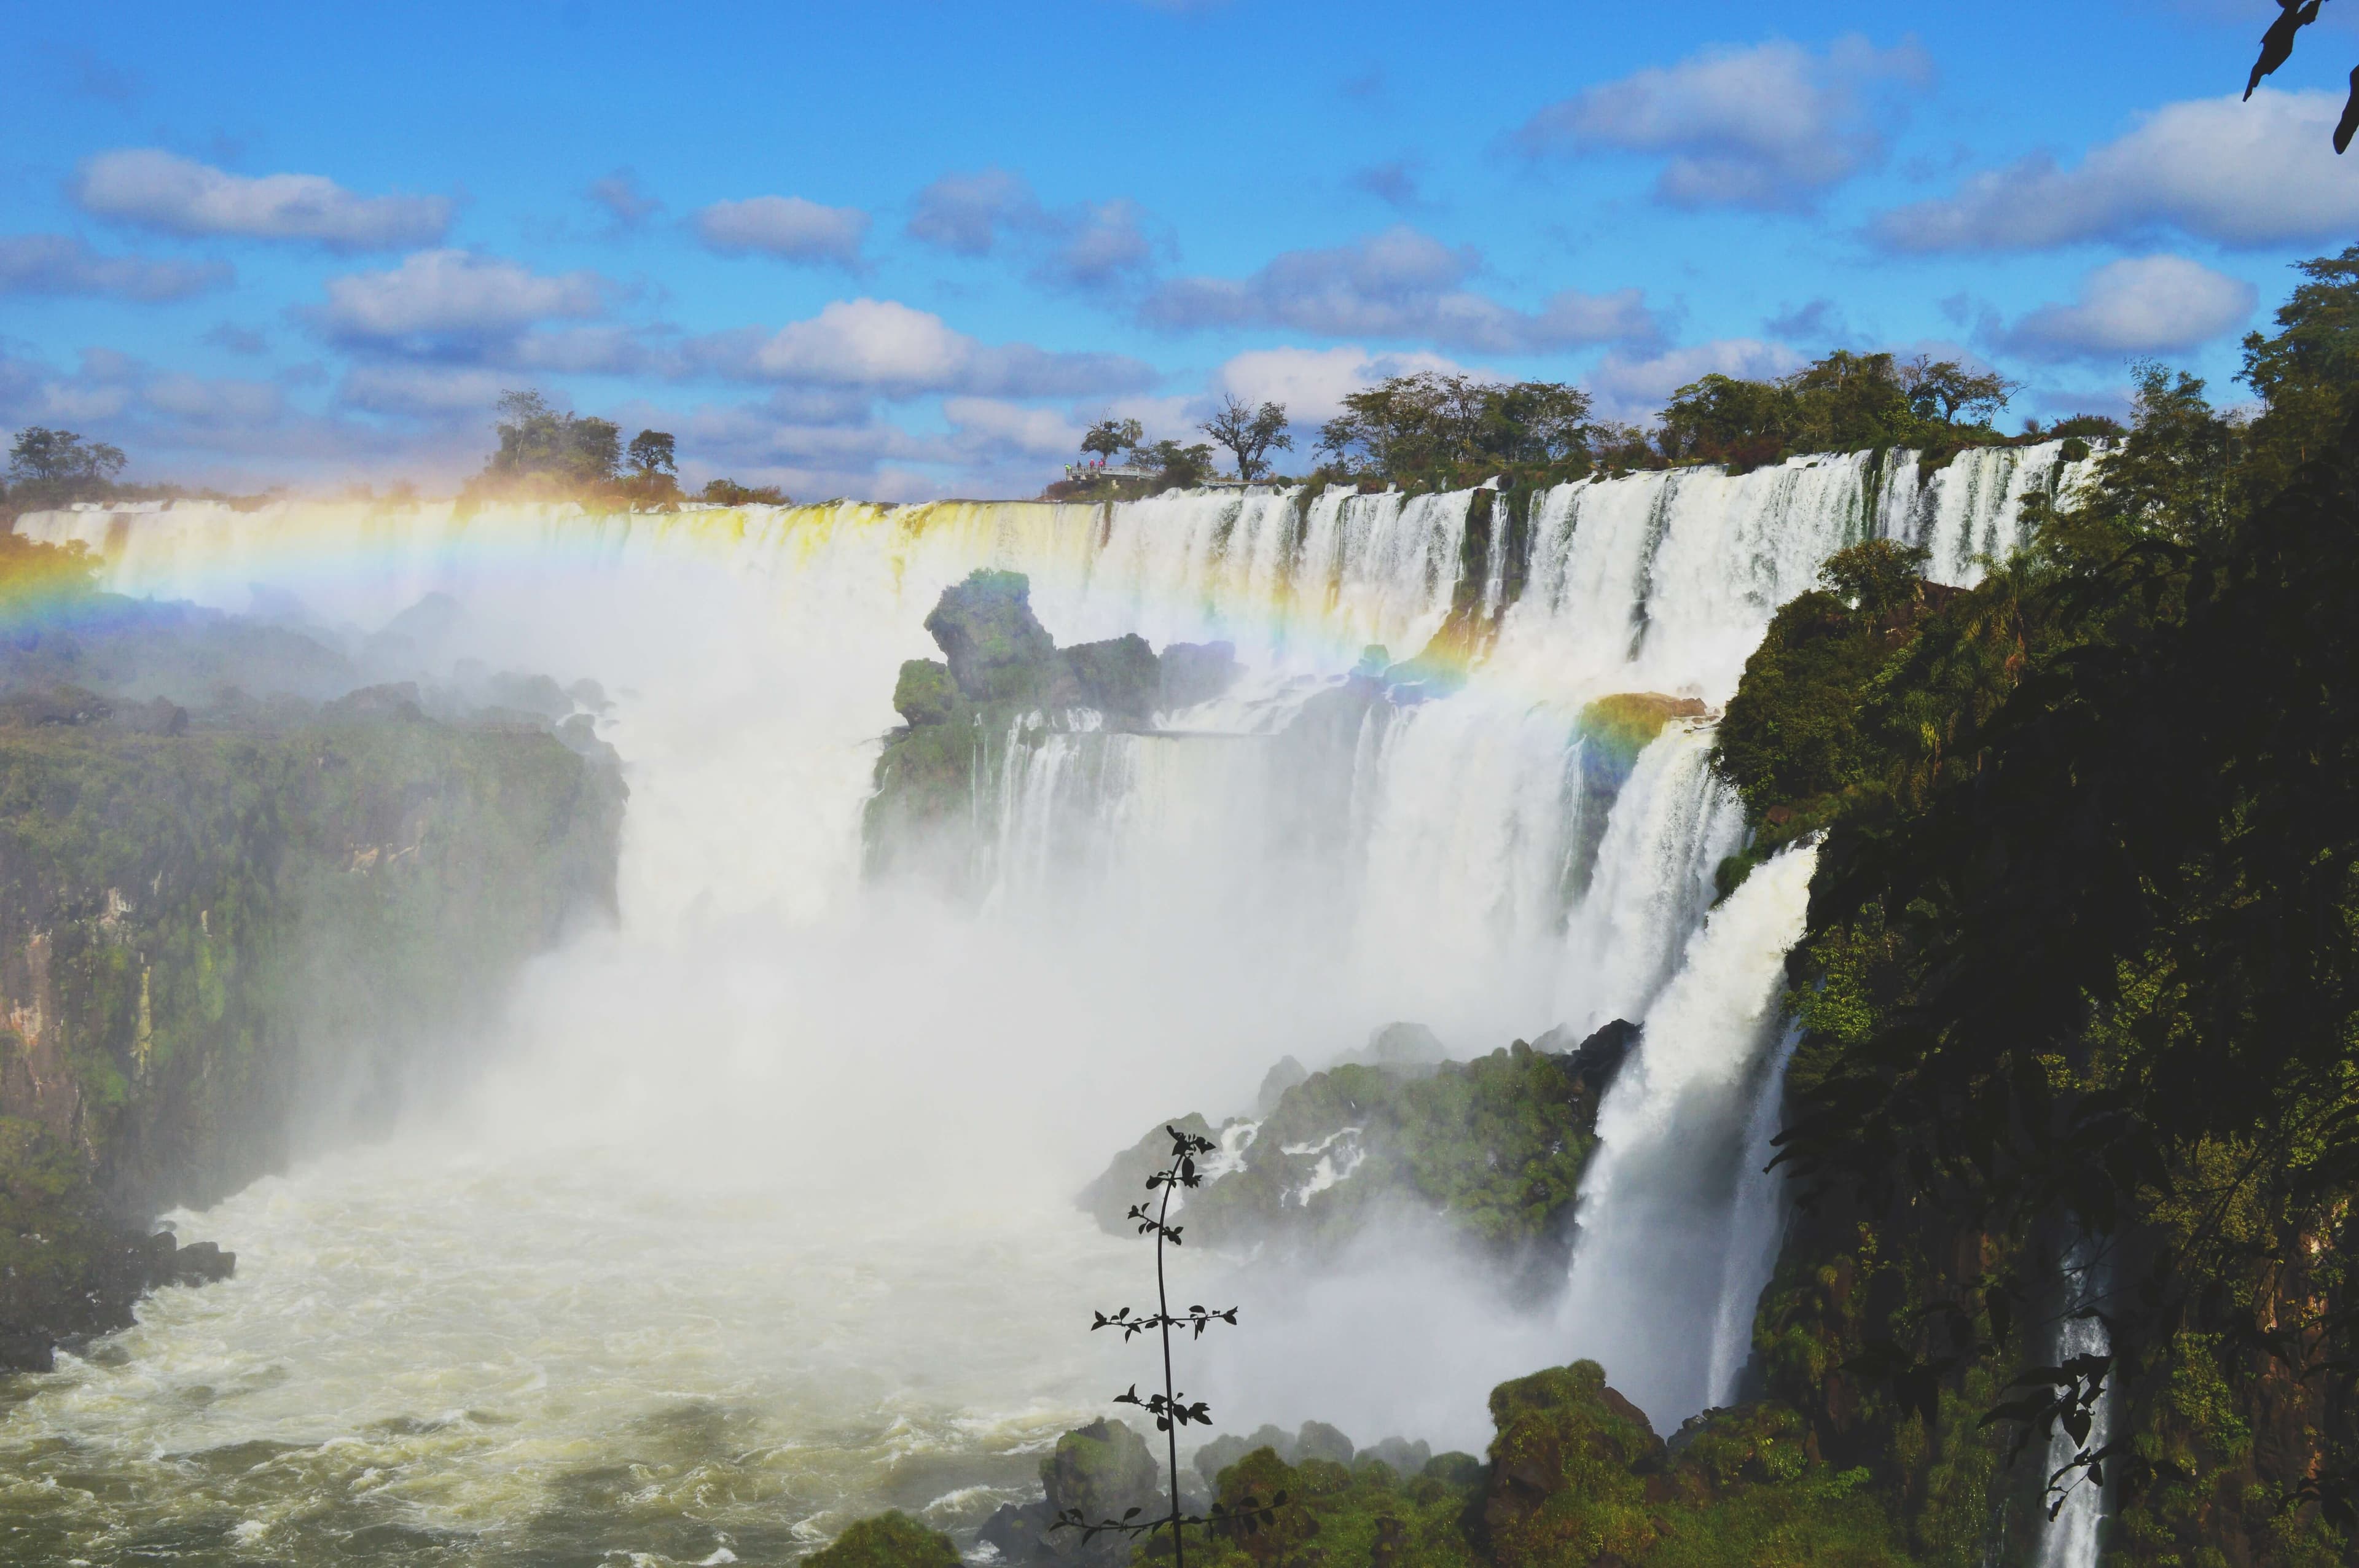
<point>220,927</point>
<point>2074,1116</point>
<point>2082,979</point>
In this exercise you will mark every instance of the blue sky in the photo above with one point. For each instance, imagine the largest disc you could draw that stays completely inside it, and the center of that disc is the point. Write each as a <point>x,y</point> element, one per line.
<point>904,249</point>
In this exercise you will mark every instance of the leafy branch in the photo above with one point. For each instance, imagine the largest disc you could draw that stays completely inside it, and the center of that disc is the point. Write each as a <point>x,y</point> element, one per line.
<point>1170,1407</point>
<point>2277,48</point>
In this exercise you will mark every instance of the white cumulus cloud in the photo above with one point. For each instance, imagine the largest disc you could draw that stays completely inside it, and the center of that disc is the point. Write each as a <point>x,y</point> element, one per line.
<point>1313,383</point>
<point>2140,305</point>
<point>2237,173</point>
<point>890,347</point>
<point>991,426</point>
<point>1629,387</point>
<point>1767,126</point>
<point>163,190</point>
<point>787,227</point>
<point>452,293</point>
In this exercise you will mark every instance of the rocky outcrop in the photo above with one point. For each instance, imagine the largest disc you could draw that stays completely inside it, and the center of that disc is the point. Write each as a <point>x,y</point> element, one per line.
<point>1197,672</point>
<point>997,648</point>
<point>1101,1471</point>
<point>1494,1148</point>
<point>888,1541</point>
<point>217,925</point>
<point>1002,681</point>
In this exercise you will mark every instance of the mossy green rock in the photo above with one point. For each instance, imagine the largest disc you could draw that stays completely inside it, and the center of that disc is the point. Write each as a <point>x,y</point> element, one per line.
<point>1367,1514</point>
<point>925,694</point>
<point>1002,683</point>
<point>997,648</point>
<point>888,1541</point>
<point>1495,1147</point>
<point>1569,1470</point>
<point>1120,677</point>
<point>1103,1469</point>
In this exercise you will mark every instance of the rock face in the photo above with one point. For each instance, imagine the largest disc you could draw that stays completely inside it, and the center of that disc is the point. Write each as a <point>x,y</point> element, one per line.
<point>1197,672</point>
<point>217,925</point>
<point>1103,1470</point>
<point>1495,1146</point>
<point>999,651</point>
<point>1120,677</point>
<point>1568,1471</point>
<point>1002,681</point>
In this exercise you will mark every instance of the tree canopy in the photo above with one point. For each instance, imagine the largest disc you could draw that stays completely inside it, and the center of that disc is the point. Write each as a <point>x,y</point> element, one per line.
<point>1455,426</point>
<point>1249,433</point>
<point>2084,949</point>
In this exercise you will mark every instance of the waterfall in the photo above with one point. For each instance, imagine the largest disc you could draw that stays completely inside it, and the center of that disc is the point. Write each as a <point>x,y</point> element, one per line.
<point>2073,1537</point>
<point>1660,1207</point>
<point>1158,916</point>
<point>1757,1228</point>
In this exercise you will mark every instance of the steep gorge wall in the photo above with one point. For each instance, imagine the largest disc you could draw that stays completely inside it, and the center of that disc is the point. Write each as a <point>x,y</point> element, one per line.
<point>212,940</point>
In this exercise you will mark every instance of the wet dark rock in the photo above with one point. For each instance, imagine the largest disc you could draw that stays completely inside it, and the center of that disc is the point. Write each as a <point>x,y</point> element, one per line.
<point>999,651</point>
<point>1275,1082</point>
<point>1119,678</point>
<point>70,1278</point>
<point>1197,672</point>
<point>1109,1198</point>
<point>1598,1059</point>
<point>1101,1471</point>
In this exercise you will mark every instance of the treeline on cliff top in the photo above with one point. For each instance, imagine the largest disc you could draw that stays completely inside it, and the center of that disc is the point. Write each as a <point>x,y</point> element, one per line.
<point>544,453</point>
<point>1428,430</point>
<point>2083,971</point>
<point>1431,430</point>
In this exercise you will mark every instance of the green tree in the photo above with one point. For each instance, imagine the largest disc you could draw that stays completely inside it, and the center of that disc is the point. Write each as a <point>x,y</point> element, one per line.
<point>1947,392</point>
<point>544,446</point>
<point>1458,428</point>
<point>46,456</point>
<point>729,493</point>
<point>1177,467</point>
<point>652,453</point>
<point>1109,438</point>
<point>1716,415</point>
<point>1250,433</point>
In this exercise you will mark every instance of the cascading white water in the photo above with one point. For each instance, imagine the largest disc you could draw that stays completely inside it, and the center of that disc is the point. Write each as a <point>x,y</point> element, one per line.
<point>773,1074</point>
<point>1658,1206</point>
<point>2073,1538</point>
<point>1755,1228</point>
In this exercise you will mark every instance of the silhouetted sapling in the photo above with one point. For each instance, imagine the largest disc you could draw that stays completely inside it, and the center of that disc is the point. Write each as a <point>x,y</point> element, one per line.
<point>1170,1407</point>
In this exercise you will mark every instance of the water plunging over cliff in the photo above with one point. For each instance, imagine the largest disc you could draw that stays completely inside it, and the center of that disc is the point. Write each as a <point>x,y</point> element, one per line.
<point>772,1065</point>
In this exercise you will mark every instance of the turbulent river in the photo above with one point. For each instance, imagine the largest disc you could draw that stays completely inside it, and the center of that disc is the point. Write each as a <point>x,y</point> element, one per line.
<point>756,1215</point>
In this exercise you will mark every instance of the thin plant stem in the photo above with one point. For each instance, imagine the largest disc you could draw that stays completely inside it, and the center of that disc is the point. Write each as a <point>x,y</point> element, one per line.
<point>1171,1394</point>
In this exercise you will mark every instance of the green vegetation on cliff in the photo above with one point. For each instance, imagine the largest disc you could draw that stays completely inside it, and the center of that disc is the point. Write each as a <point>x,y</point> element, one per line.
<point>1494,1148</point>
<point>2082,970</point>
<point>218,927</point>
<point>888,1541</point>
